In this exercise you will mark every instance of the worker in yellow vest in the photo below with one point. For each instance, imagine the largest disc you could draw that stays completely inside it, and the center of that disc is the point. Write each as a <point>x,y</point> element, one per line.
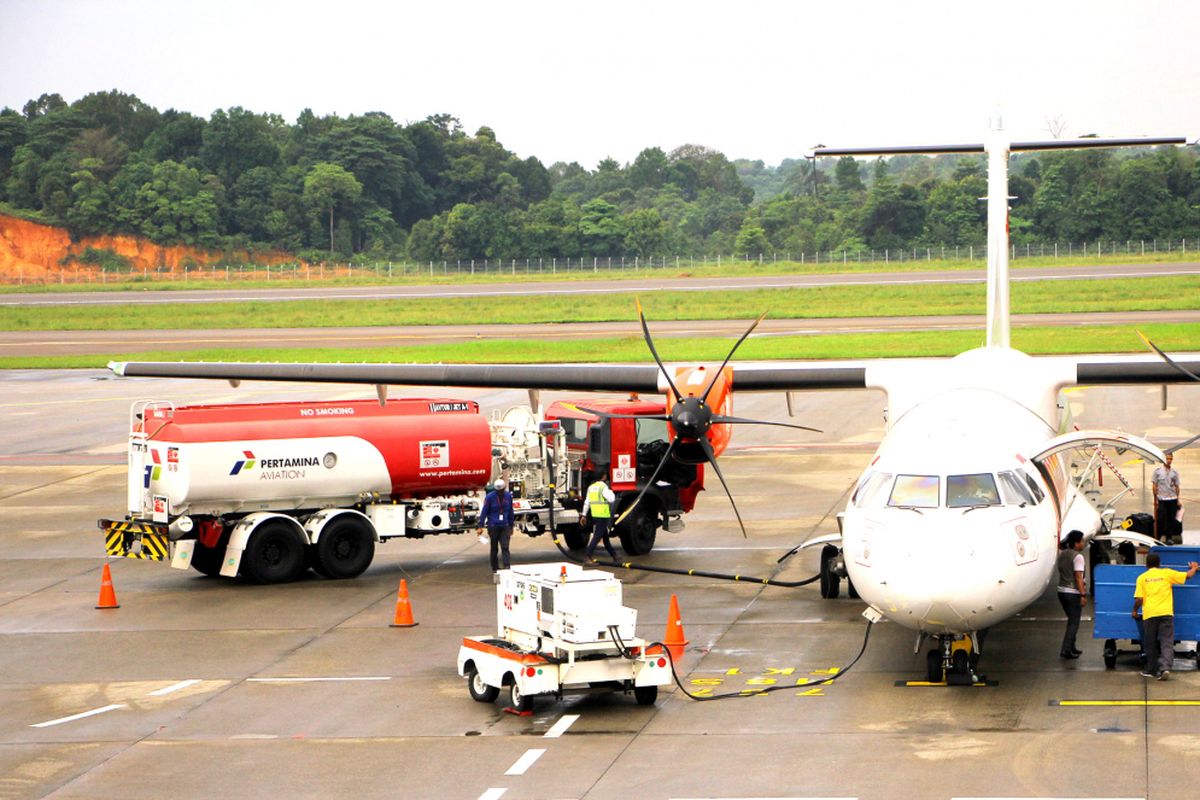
<point>599,506</point>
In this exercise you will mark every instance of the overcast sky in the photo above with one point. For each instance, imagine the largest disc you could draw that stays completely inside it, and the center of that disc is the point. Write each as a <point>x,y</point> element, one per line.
<point>571,81</point>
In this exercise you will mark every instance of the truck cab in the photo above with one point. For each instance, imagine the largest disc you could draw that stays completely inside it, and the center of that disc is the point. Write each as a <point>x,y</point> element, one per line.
<point>623,441</point>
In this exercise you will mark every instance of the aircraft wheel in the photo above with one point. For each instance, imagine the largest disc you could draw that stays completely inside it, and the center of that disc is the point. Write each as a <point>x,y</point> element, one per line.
<point>933,666</point>
<point>1110,653</point>
<point>850,590</point>
<point>479,690</point>
<point>960,662</point>
<point>829,579</point>
<point>275,554</point>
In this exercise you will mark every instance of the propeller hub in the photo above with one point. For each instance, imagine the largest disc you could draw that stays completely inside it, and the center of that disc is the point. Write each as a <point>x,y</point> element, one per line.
<point>691,418</point>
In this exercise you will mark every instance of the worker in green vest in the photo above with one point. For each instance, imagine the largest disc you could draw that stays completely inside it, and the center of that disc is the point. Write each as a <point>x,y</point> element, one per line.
<point>599,506</point>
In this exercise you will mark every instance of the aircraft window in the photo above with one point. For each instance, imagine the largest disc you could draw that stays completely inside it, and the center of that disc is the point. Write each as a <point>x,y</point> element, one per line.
<point>915,491</point>
<point>964,491</point>
<point>651,430</point>
<point>1015,491</point>
<point>870,491</point>
<point>1038,494</point>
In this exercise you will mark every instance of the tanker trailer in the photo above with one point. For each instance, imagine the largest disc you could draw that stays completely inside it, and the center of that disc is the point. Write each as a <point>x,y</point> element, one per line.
<point>267,490</point>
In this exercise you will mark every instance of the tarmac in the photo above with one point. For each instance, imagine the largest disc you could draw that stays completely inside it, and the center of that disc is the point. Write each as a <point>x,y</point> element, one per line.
<point>198,687</point>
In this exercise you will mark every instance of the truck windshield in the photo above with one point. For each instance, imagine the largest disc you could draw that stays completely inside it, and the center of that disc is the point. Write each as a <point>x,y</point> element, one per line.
<point>651,430</point>
<point>915,491</point>
<point>575,429</point>
<point>964,491</point>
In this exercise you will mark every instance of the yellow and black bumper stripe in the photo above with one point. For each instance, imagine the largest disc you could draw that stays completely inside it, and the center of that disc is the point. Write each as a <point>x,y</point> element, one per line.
<point>120,536</point>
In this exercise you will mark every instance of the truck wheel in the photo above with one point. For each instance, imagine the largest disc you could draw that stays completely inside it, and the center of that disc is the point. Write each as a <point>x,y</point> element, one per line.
<point>275,554</point>
<point>574,537</point>
<point>479,690</point>
<point>645,695</point>
<point>518,700</point>
<point>639,530</point>
<point>345,548</point>
<point>830,582</point>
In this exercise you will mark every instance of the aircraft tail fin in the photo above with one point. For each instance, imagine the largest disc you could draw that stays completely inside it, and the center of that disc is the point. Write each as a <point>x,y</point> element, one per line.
<point>997,149</point>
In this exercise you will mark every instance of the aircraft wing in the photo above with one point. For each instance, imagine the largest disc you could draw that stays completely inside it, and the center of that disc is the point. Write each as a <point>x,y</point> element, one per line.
<point>788,376</point>
<point>747,377</point>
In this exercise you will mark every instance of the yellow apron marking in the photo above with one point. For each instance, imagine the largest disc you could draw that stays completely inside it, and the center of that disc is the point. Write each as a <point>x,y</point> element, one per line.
<point>1132,703</point>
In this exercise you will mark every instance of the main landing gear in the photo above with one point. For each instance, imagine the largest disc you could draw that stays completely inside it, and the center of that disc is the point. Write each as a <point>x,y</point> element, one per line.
<point>955,660</point>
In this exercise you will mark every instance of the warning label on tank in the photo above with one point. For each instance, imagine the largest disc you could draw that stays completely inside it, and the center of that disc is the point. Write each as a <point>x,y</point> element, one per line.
<point>437,408</point>
<point>435,453</point>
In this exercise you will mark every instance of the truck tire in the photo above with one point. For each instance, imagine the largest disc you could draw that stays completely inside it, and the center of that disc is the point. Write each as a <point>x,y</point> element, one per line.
<point>574,536</point>
<point>645,695</point>
<point>345,548</point>
<point>274,554</point>
<point>480,691</point>
<point>639,530</point>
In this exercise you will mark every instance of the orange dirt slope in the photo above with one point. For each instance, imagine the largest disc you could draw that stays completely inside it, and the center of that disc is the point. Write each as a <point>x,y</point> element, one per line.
<point>32,249</point>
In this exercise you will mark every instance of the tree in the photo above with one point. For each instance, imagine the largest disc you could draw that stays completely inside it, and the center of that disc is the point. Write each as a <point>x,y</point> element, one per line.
<point>846,175</point>
<point>645,232</point>
<point>751,238</point>
<point>600,228</point>
<point>328,186</point>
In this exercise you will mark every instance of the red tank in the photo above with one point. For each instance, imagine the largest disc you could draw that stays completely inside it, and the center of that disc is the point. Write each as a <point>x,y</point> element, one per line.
<point>408,448</point>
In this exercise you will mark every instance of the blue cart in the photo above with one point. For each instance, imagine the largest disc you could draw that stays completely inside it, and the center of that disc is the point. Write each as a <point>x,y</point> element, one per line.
<point>1114,583</point>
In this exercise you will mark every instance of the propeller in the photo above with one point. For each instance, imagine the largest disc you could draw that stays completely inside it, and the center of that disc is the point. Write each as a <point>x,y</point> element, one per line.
<point>1181,369</point>
<point>691,418</point>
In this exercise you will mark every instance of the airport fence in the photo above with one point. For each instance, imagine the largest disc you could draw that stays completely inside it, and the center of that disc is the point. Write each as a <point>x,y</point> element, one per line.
<point>375,271</point>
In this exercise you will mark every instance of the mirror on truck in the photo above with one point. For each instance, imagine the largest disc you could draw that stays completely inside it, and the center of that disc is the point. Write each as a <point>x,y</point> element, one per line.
<point>599,442</point>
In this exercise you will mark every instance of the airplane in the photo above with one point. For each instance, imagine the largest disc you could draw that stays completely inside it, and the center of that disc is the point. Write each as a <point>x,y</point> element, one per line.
<point>955,523</point>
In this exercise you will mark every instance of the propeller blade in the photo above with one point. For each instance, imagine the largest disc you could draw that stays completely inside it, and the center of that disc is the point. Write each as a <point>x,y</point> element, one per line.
<point>719,419</point>
<point>597,412</point>
<point>733,350</point>
<point>653,352</point>
<point>1181,445</point>
<point>712,459</point>
<point>1168,359</point>
<point>666,457</point>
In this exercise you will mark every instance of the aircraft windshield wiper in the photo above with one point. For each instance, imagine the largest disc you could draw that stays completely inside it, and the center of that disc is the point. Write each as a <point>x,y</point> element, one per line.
<point>973,508</point>
<point>911,508</point>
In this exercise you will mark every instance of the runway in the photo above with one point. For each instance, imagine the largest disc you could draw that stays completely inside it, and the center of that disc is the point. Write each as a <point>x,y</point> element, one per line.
<point>56,343</point>
<point>610,282</point>
<point>198,687</point>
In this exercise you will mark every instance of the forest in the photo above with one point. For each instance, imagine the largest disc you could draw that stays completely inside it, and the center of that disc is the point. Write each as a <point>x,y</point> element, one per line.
<point>365,186</point>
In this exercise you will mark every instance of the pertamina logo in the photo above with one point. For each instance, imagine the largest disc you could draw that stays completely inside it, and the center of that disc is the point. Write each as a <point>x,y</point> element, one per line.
<point>241,464</point>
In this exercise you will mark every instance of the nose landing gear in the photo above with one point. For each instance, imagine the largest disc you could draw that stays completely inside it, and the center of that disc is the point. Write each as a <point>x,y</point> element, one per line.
<point>954,662</point>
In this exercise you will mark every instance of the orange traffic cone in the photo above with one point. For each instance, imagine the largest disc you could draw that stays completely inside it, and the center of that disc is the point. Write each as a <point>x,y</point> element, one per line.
<point>674,638</point>
<point>108,598</point>
<point>404,615</point>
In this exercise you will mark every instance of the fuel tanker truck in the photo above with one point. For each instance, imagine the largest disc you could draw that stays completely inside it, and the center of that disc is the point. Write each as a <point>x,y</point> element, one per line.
<point>269,490</point>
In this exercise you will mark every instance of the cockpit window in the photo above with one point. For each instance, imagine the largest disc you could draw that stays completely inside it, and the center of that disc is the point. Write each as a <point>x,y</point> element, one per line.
<point>1038,494</point>
<point>963,491</point>
<point>1015,491</point>
<point>870,492</point>
<point>915,491</point>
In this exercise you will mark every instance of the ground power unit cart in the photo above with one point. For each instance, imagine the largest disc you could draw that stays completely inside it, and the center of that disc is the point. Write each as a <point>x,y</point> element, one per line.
<point>561,629</point>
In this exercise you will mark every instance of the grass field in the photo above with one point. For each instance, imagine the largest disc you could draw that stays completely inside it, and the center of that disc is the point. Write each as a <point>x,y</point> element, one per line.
<point>1037,340</point>
<point>1032,297</point>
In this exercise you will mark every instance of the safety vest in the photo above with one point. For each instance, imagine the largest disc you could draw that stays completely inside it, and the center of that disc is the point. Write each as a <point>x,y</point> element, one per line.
<point>597,504</point>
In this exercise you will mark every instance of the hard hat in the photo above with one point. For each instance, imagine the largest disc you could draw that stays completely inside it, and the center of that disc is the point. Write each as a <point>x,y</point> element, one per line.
<point>499,483</point>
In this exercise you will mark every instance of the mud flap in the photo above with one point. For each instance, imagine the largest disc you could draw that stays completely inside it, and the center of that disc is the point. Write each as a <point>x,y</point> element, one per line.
<point>182,559</point>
